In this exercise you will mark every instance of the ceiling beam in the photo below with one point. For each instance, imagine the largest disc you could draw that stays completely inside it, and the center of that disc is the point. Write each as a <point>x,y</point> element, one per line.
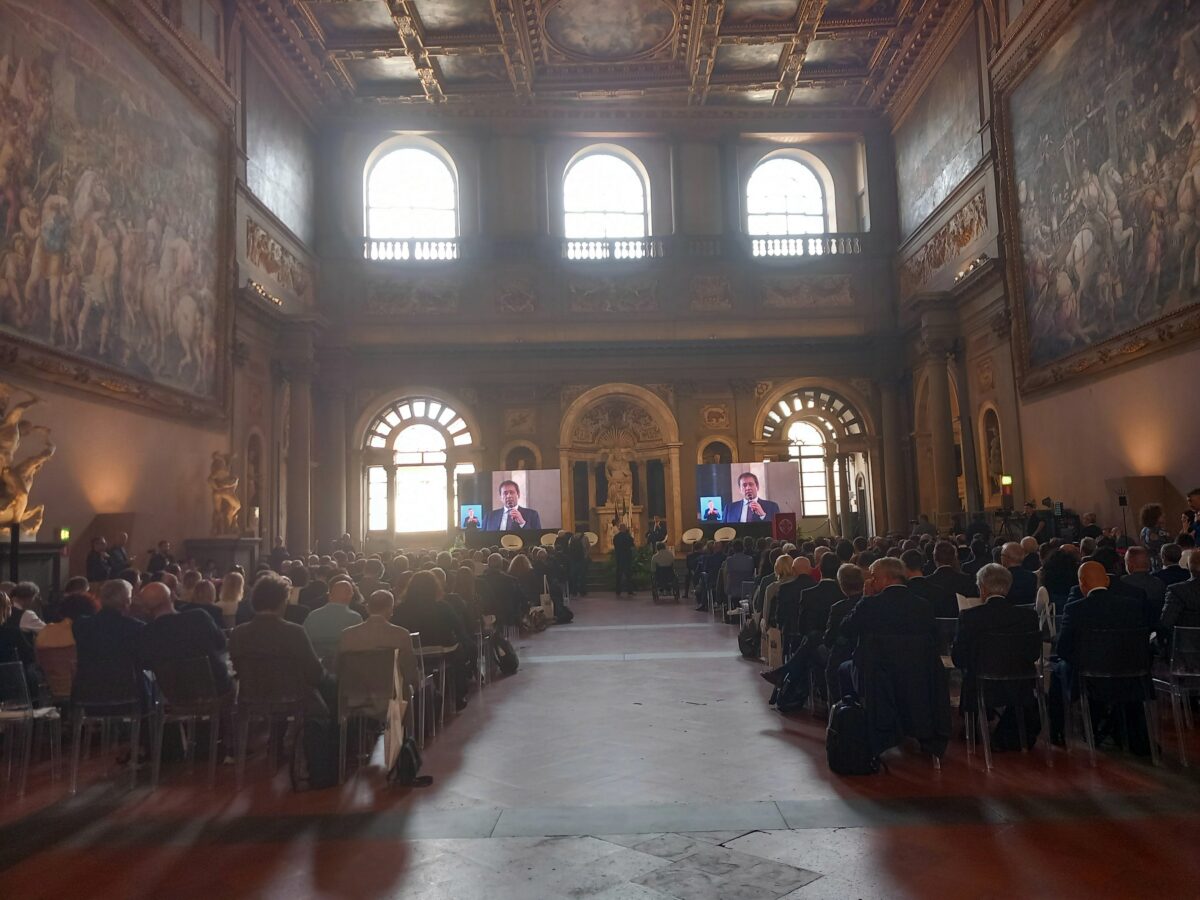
<point>518,57</point>
<point>408,27</point>
<point>791,61</point>
<point>702,55</point>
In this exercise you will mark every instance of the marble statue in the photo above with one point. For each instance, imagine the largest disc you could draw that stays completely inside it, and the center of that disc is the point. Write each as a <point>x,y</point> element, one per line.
<point>224,485</point>
<point>620,478</point>
<point>16,478</point>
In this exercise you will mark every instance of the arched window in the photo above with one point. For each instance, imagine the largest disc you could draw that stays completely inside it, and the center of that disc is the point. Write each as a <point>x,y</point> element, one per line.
<point>604,196</point>
<point>784,197</point>
<point>411,195</point>
<point>413,452</point>
<point>806,445</point>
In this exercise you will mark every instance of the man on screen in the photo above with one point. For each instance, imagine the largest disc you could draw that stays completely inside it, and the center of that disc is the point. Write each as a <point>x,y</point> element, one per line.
<point>511,516</point>
<point>471,521</point>
<point>751,508</point>
<point>712,514</point>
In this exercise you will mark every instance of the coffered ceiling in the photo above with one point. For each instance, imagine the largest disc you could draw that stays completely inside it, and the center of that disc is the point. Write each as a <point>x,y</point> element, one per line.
<point>831,54</point>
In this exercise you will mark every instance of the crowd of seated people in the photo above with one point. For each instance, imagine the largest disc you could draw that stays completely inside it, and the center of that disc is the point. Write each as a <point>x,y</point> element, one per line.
<point>120,627</point>
<point>834,600</point>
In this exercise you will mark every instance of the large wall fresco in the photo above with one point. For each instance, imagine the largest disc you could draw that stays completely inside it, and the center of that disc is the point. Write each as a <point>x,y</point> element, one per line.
<point>937,144</point>
<point>110,200</point>
<point>1106,155</point>
<point>281,168</point>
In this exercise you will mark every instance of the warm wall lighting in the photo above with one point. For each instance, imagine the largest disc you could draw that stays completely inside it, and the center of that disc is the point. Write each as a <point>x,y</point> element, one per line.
<point>64,534</point>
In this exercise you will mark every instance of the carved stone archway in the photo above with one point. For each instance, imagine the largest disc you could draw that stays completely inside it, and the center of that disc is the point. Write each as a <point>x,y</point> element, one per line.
<point>629,424</point>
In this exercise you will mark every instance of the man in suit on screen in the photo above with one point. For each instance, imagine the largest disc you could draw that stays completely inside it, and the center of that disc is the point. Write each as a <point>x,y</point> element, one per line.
<point>511,516</point>
<point>751,508</point>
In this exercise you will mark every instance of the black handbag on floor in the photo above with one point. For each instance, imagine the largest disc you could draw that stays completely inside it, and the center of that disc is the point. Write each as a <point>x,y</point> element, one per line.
<point>847,746</point>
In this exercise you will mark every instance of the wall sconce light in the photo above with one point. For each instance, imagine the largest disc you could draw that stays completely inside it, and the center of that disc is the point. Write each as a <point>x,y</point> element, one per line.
<point>1006,480</point>
<point>64,534</point>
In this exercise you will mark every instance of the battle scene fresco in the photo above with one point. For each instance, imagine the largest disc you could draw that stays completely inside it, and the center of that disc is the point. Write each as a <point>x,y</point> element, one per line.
<point>1106,155</point>
<point>110,198</point>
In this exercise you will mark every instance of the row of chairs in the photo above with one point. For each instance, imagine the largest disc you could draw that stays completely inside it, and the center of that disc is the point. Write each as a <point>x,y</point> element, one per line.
<point>185,695</point>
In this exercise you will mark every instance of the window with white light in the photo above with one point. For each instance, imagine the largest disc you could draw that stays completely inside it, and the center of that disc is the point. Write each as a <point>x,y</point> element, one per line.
<point>412,451</point>
<point>784,197</point>
<point>806,445</point>
<point>604,196</point>
<point>411,193</point>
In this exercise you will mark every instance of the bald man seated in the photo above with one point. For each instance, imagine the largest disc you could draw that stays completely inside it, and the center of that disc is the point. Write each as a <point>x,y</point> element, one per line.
<point>173,636</point>
<point>1099,609</point>
<point>786,611</point>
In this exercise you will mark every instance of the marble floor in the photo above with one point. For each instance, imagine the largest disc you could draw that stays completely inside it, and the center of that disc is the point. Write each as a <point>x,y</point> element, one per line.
<point>632,757</point>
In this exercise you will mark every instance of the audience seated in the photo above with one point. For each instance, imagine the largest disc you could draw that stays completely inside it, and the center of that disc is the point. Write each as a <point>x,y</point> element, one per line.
<point>949,574</point>
<point>1137,567</point>
<point>837,648</point>
<point>377,632</point>
<point>1182,603</point>
<point>25,602</point>
<point>739,568</point>
<point>173,636</point>
<point>324,626</point>
<point>1171,572</point>
<point>499,594</point>
<point>233,586</point>
<point>204,598</point>
<point>941,599</point>
<point>271,637</point>
<point>107,646</point>
<point>15,644</point>
<point>1098,609</point>
<point>995,616</point>
<point>1024,586</point>
<point>422,611</point>
<point>786,610</point>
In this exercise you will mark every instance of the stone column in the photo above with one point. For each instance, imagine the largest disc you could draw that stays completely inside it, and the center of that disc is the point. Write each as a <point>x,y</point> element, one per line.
<point>675,527</point>
<point>941,428</point>
<point>331,472</point>
<point>299,488</point>
<point>835,524</point>
<point>893,463</point>
<point>843,475</point>
<point>966,424</point>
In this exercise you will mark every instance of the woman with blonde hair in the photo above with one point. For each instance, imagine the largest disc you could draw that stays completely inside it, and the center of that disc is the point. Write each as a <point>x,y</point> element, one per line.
<point>531,589</point>
<point>783,574</point>
<point>233,586</point>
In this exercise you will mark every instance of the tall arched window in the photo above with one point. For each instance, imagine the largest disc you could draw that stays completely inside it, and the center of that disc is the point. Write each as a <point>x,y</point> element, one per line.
<point>604,197</point>
<point>806,445</point>
<point>413,452</point>
<point>784,197</point>
<point>411,195</point>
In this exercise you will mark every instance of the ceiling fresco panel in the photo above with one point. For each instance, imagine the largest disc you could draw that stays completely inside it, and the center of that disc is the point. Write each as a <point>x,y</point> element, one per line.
<point>854,53</point>
<point>448,16</point>
<point>766,12</point>
<point>360,17</point>
<point>748,57</point>
<point>608,32</point>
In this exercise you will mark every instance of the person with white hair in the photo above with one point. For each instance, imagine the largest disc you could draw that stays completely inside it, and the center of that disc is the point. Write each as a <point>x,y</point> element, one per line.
<point>995,616</point>
<point>1024,583</point>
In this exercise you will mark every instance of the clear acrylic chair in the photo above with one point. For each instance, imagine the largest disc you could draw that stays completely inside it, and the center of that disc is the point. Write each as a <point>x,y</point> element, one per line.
<point>1116,655</point>
<point>1008,660</point>
<point>187,695</point>
<point>96,702</point>
<point>1181,681</point>
<point>367,682</point>
<point>19,720</point>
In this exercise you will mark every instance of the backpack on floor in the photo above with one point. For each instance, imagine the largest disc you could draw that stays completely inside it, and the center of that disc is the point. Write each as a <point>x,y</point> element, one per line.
<point>750,639</point>
<point>847,745</point>
<point>406,771</point>
<point>314,762</point>
<point>791,696</point>
<point>506,656</point>
<point>563,615</point>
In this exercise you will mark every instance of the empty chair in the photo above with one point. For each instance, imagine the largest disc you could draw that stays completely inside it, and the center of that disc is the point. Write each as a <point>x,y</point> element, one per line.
<point>1120,657</point>
<point>187,695</point>
<point>1182,681</point>
<point>1007,675</point>
<point>367,683</point>
<point>19,719</point>
<point>437,658</point>
<point>107,702</point>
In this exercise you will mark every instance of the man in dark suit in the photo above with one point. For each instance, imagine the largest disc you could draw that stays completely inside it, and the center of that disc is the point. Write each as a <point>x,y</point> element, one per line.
<point>1171,572</point>
<point>995,616</point>
<point>889,608</point>
<point>511,516</point>
<point>499,593</point>
<point>1107,558</point>
<point>106,644</point>
<point>623,549</point>
<point>1099,609</point>
<point>948,573</point>
<point>1182,605</point>
<point>98,562</point>
<point>785,612</point>
<point>1137,568</point>
<point>172,636</point>
<point>816,601</point>
<point>1024,586</point>
<point>751,508</point>
<point>835,646</point>
<point>941,599</point>
<point>269,635</point>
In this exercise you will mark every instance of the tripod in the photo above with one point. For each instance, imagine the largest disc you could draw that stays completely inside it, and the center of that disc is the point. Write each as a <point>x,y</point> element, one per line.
<point>1008,528</point>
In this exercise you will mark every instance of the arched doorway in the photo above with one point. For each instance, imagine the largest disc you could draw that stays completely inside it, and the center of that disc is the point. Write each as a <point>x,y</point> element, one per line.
<point>619,452</point>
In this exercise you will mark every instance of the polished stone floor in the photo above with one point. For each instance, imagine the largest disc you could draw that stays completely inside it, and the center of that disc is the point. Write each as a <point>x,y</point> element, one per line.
<point>632,757</point>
